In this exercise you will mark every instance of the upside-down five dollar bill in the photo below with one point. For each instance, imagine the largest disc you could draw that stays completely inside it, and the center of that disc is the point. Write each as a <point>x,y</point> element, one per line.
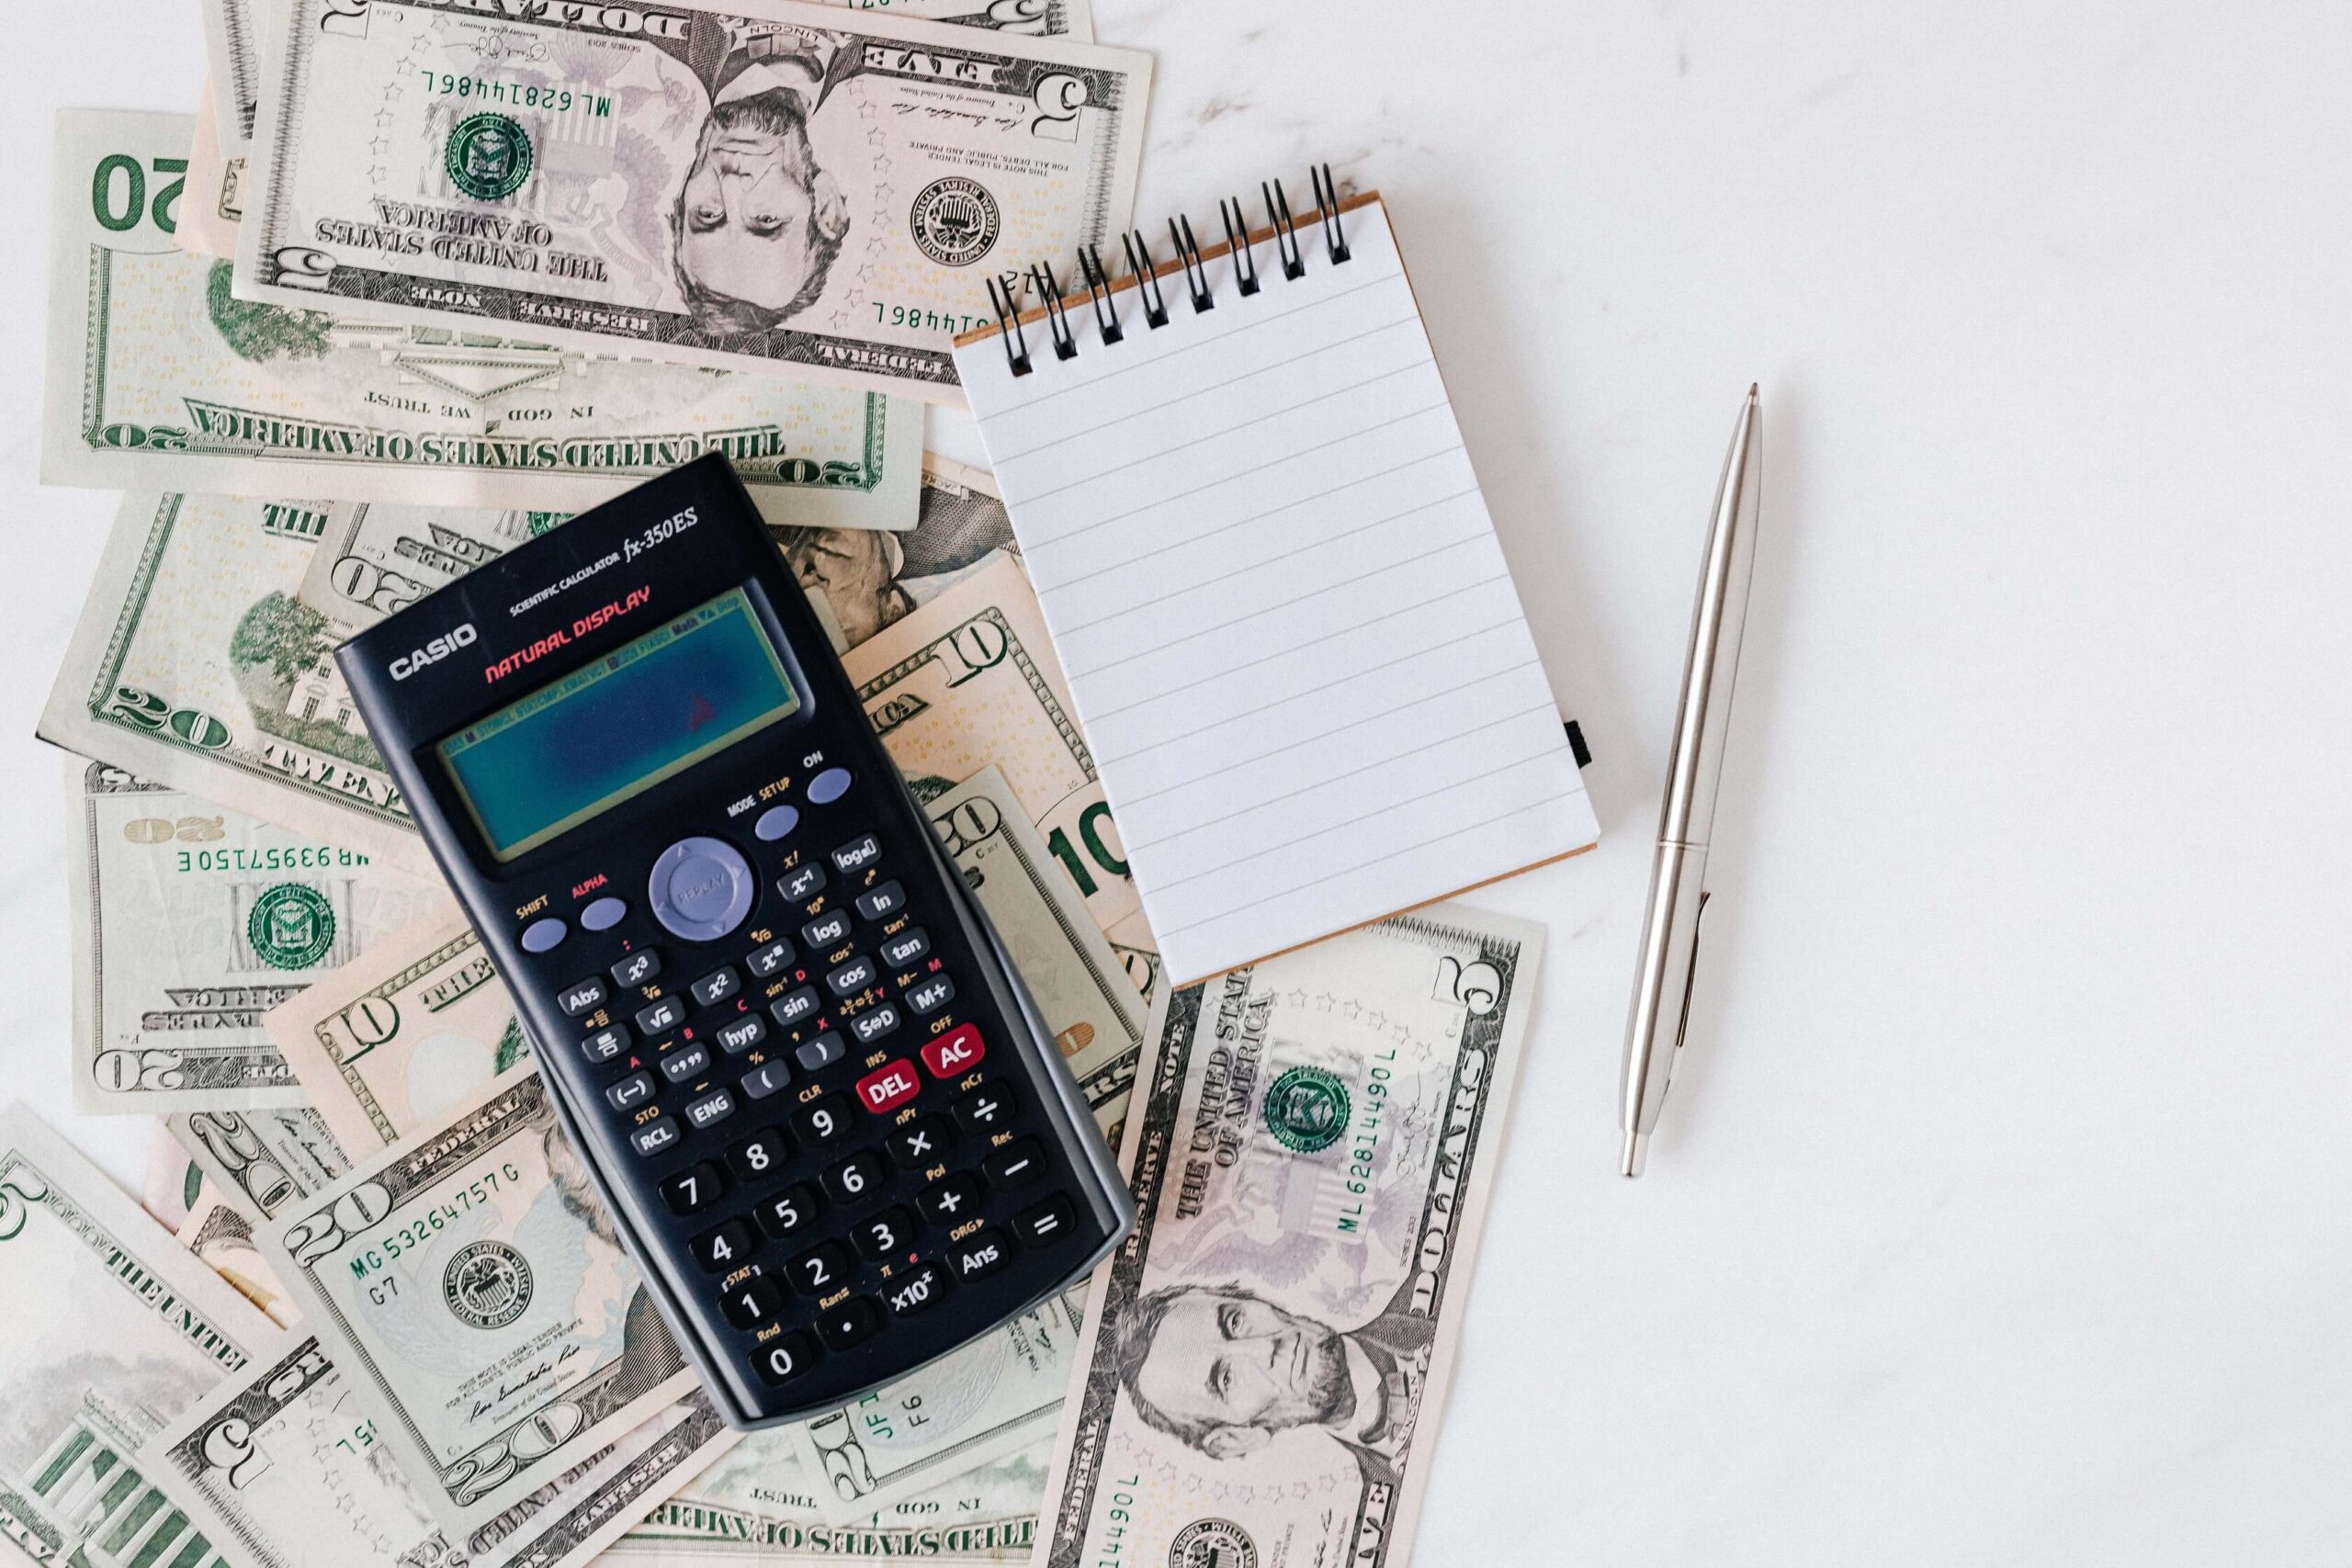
<point>474,1293</point>
<point>765,183</point>
<point>1311,1150</point>
<point>190,921</point>
<point>160,378</point>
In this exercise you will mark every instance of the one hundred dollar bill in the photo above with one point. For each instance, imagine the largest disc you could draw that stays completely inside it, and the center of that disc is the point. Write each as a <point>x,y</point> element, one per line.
<point>1077,983</point>
<point>160,378</point>
<point>388,1045</point>
<point>190,921</point>
<point>476,1296</point>
<point>994,1397</point>
<point>112,1330</point>
<point>261,1160</point>
<point>796,187</point>
<point>223,1239</point>
<point>195,665</point>
<point>280,1460</point>
<point>970,679</point>
<point>1311,1152</point>
<point>757,1506</point>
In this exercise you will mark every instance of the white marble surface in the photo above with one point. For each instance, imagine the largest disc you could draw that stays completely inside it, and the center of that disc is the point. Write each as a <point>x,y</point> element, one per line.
<point>2000,1215</point>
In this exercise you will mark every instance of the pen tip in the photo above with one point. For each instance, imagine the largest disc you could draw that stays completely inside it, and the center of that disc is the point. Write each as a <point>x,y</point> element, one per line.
<point>1637,1148</point>
<point>1751,391</point>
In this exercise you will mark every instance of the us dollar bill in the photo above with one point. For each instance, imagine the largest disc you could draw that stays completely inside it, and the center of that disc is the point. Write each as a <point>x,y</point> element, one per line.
<point>160,378</point>
<point>971,680</point>
<point>204,222</point>
<point>189,922</point>
<point>393,1043</point>
<point>222,1240</point>
<point>260,1160</point>
<point>870,579</point>
<point>112,1330</point>
<point>476,1296</point>
<point>372,561</point>
<point>799,187</point>
<point>1077,983</point>
<point>1311,1155</point>
<point>171,1180</point>
<point>996,1396</point>
<point>280,1461</point>
<point>195,665</point>
<point>757,1506</point>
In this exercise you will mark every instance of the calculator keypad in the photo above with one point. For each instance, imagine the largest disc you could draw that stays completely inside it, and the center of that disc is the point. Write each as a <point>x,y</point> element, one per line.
<point>814,1100</point>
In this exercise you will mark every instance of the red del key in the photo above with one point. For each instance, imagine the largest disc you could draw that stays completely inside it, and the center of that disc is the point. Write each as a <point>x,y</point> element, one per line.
<point>953,1052</point>
<point>888,1086</point>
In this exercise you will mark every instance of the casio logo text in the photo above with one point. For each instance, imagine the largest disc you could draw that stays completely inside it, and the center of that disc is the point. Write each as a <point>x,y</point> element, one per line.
<point>433,652</point>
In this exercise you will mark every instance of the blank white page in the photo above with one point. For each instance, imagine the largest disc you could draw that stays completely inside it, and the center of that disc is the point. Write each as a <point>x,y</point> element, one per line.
<point>1277,596</point>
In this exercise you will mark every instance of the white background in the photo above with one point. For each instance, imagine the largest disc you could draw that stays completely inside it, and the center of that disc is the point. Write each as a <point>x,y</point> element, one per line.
<point>2000,1212</point>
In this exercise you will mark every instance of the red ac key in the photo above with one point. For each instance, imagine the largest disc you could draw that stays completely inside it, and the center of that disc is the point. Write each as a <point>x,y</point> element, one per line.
<point>957,1050</point>
<point>888,1086</point>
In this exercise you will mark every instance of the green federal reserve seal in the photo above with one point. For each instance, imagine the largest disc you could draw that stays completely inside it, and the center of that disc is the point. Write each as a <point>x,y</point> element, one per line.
<point>489,157</point>
<point>488,1284</point>
<point>291,926</point>
<point>1306,1109</point>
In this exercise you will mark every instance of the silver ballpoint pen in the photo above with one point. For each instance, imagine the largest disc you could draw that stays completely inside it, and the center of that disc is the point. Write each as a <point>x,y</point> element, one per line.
<point>1669,958</point>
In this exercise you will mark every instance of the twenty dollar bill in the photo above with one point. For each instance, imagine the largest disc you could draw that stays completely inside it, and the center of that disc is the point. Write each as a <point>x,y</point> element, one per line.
<point>190,921</point>
<point>160,378</point>
<point>474,1292</point>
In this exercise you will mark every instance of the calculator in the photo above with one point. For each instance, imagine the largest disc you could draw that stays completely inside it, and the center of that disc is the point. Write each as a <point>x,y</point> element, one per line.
<point>827,1119</point>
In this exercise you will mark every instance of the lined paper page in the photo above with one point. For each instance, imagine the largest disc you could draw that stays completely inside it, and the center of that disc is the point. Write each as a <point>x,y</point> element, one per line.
<point>1280,606</point>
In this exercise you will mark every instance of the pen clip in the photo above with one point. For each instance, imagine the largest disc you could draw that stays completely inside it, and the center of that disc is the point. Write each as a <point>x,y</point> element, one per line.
<point>1691,976</point>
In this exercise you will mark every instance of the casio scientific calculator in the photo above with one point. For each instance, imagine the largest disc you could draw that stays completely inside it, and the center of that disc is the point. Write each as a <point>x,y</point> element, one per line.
<point>827,1119</point>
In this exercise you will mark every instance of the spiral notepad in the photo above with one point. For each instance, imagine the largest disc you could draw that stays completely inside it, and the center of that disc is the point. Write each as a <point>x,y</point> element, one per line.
<point>1277,592</point>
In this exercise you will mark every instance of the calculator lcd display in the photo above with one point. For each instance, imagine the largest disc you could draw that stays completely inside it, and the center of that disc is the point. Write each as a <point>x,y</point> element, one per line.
<point>609,730</point>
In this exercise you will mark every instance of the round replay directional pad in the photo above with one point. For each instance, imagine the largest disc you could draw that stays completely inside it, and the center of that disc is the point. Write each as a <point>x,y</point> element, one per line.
<point>700,889</point>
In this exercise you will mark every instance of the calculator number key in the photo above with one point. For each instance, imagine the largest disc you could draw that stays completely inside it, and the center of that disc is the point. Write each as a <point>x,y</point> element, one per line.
<point>791,1210</point>
<point>693,1189</point>
<point>821,1121</point>
<point>823,1269</point>
<point>724,1246</point>
<point>857,1178</point>
<point>785,1358</point>
<point>887,1232</point>
<point>759,1154</point>
<point>753,1302</point>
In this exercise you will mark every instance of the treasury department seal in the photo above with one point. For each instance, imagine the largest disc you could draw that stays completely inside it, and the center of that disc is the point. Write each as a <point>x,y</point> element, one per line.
<point>1306,1109</point>
<point>290,926</point>
<point>488,1284</point>
<point>955,221</point>
<point>1212,1543</point>
<point>489,157</point>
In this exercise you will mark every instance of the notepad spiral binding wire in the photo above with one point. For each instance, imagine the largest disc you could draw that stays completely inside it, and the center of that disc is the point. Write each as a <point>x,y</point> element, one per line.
<point>1146,273</point>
